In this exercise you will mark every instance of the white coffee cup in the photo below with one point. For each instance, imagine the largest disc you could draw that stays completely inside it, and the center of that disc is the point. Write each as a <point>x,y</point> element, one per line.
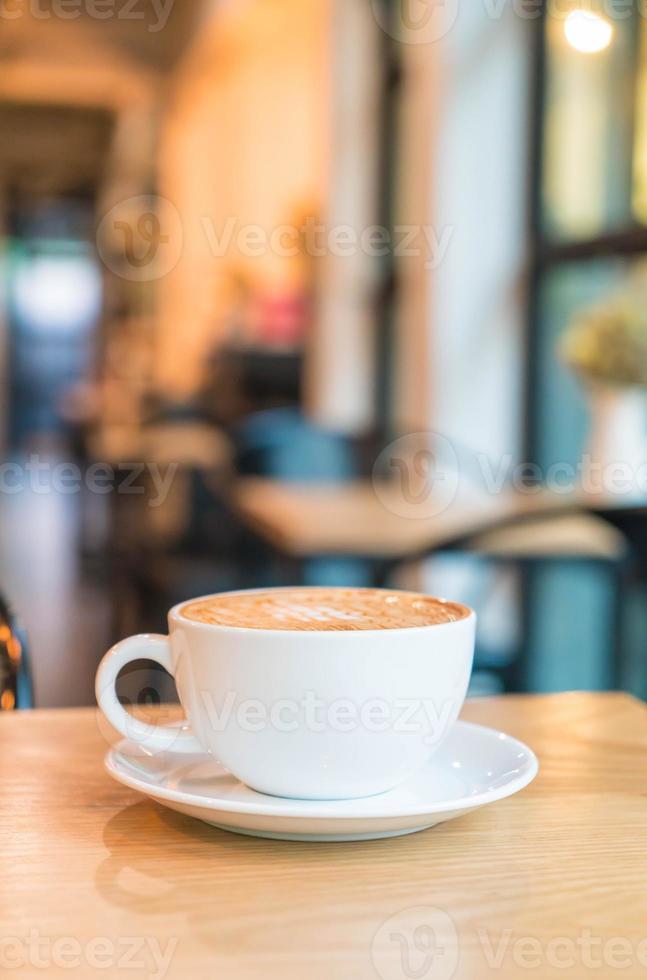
<point>307,714</point>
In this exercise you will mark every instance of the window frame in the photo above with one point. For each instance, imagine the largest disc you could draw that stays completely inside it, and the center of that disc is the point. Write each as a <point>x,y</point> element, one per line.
<point>545,254</point>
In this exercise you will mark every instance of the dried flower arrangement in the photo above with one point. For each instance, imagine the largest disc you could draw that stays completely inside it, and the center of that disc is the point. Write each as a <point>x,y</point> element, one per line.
<point>608,343</point>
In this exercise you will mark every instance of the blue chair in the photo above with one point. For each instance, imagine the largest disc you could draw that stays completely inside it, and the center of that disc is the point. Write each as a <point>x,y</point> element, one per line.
<point>282,444</point>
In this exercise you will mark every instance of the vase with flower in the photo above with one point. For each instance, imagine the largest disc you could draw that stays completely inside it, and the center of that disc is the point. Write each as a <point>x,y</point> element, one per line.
<point>606,346</point>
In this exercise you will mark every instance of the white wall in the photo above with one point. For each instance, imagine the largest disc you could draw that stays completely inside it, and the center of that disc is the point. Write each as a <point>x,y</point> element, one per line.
<point>340,369</point>
<point>480,187</point>
<point>476,303</point>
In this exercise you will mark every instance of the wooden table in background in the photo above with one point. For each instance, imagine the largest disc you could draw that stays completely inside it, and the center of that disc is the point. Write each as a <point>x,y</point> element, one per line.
<point>555,875</point>
<point>373,520</point>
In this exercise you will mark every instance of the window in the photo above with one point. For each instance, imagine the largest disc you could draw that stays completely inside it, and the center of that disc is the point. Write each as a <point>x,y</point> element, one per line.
<point>589,195</point>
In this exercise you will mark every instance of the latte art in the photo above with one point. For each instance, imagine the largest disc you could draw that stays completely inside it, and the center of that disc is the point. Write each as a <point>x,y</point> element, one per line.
<point>327,609</point>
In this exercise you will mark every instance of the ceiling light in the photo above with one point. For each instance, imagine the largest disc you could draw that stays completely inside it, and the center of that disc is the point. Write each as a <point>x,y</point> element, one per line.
<point>588,32</point>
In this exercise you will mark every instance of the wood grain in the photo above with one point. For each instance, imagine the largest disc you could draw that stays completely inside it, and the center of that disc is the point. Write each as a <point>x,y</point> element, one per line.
<point>562,862</point>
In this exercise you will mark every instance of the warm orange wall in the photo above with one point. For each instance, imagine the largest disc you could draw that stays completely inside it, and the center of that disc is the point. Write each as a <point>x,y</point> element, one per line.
<point>246,137</point>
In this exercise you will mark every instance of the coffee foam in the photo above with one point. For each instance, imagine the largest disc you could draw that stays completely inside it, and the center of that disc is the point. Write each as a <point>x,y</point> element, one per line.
<point>328,609</point>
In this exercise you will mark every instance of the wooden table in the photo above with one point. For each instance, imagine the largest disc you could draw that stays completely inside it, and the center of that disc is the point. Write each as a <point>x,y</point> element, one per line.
<point>555,874</point>
<point>372,520</point>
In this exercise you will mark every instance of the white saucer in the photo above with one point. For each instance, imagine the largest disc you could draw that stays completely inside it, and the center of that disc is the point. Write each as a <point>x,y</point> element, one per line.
<point>473,767</point>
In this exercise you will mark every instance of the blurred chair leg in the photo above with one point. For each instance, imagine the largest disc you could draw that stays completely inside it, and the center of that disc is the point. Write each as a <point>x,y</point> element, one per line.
<point>514,675</point>
<point>619,575</point>
<point>383,572</point>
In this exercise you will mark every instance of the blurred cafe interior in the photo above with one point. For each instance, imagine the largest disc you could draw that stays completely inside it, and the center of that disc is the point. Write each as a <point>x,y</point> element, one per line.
<point>322,293</point>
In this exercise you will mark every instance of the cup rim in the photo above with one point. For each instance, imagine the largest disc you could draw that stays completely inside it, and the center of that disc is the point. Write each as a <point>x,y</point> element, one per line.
<point>175,615</point>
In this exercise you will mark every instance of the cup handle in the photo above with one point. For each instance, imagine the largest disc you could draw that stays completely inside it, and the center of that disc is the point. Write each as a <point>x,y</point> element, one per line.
<point>154,738</point>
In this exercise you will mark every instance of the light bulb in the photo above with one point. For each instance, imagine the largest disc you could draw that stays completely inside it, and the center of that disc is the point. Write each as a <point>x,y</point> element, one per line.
<point>588,32</point>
